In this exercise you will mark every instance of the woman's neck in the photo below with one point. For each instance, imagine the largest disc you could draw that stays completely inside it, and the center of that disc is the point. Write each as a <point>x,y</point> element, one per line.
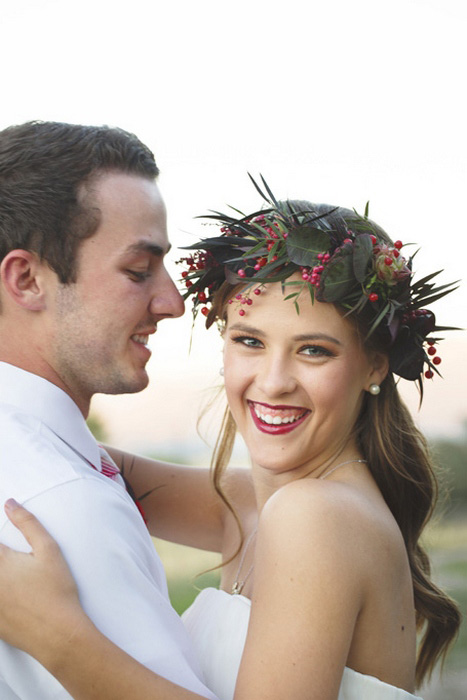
<point>266,481</point>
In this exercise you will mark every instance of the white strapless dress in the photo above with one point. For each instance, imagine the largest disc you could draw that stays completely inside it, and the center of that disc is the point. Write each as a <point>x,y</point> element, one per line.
<point>217,623</point>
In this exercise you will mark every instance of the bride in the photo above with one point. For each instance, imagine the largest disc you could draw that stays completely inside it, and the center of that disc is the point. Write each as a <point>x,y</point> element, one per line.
<point>324,584</point>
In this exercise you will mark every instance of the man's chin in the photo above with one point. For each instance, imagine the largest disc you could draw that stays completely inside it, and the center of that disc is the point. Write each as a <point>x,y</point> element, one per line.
<point>128,385</point>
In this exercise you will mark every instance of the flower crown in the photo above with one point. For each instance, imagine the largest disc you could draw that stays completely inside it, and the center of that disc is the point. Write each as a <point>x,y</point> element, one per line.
<point>342,258</point>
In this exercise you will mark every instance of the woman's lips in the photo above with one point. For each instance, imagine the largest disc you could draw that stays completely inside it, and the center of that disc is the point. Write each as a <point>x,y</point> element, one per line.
<point>277,420</point>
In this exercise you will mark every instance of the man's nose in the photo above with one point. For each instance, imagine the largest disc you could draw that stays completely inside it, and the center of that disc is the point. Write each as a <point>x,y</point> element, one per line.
<point>166,301</point>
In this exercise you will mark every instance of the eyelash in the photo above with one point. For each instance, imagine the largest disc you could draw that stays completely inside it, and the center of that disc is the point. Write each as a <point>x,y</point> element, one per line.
<point>242,340</point>
<point>322,352</point>
<point>140,276</point>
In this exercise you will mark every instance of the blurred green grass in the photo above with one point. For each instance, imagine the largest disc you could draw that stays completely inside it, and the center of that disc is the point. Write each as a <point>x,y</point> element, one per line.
<point>446,542</point>
<point>187,571</point>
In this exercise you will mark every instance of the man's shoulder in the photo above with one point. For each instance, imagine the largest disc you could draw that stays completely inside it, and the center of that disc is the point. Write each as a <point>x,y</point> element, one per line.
<point>32,457</point>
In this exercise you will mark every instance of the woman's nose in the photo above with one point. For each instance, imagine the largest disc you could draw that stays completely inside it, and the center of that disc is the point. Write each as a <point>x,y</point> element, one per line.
<point>276,377</point>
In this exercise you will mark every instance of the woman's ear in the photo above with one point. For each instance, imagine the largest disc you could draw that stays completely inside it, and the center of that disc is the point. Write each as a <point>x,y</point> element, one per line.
<point>379,368</point>
<point>22,279</point>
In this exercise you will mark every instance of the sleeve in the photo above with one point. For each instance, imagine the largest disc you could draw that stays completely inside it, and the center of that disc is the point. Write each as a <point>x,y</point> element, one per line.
<point>120,578</point>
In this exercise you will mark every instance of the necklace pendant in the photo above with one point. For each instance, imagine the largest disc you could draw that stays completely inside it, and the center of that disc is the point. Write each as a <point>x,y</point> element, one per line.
<point>237,588</point>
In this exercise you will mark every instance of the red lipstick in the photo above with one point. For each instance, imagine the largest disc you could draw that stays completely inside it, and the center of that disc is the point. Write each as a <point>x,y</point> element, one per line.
<point>271,429</point>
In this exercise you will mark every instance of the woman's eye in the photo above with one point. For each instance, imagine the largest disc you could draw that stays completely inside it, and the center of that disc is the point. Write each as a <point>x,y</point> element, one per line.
<point>248,341</point>
<point>316,351</point>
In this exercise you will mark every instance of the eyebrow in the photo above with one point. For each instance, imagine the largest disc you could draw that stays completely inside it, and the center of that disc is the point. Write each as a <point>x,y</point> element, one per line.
<point>305,337</point>
<point>146,247</point>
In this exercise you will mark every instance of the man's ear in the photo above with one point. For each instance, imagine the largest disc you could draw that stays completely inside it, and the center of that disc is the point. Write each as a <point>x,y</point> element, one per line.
<point>22,279</point>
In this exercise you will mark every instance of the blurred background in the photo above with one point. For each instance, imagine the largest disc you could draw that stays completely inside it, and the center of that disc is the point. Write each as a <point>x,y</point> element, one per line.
<point>340,102</point>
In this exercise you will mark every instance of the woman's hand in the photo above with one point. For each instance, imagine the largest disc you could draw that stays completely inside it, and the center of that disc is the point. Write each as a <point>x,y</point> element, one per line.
<point>40,613</point>
<point>39,604</point>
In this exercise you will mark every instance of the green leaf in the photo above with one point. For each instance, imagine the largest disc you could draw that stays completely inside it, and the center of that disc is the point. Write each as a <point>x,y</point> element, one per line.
<point>430,299</point>
<point>378,320</point>
<point>304,243</point>
<point>337,279</point>
<point>362,255</point>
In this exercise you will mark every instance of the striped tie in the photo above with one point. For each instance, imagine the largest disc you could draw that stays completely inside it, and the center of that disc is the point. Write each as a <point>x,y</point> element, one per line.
<point>108,466</point>
<point>110,469</point>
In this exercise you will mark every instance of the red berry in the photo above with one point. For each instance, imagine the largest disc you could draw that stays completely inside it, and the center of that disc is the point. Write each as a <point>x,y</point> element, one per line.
<point>396,253</point>
<point>431,350</point>
<point>205,310</point>
<point>188,284</point>
<point>374,240</point>
<point>257,291</point>
<point>436,360</point>
<point>185,273</point>
<point>431,342</point>
<point>201,296</point>
<point>429,374</point>
<point>241,273</point>
<point>398,245</point>
<point>241,312</point>
<point>373,297</point>
<point>388,260</point>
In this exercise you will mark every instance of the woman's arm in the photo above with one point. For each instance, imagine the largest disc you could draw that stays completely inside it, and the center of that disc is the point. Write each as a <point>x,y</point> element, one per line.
<point>179,502</point>
<point>40,613</point>
<point>308,592</point>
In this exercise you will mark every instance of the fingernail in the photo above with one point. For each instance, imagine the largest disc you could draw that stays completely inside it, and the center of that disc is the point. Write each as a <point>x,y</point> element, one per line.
<point>11,504</point>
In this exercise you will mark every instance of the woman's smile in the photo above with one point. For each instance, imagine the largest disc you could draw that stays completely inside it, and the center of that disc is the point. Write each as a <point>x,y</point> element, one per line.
<point>277,420</point>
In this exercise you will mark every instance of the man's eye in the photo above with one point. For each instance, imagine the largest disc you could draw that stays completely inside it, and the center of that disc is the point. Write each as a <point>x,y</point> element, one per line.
<point>137,276</point>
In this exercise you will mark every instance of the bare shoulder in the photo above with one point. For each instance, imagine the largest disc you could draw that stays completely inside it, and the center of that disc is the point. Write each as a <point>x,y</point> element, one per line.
<point>331,519</point>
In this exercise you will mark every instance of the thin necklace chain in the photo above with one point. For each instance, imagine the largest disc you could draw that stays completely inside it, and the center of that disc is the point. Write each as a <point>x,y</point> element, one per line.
<point>349,461</point>
<point>238,584</point>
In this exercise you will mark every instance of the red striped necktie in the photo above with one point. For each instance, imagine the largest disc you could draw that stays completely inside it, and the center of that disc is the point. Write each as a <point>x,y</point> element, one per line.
<point>108,466</point>
<point>110,469</point>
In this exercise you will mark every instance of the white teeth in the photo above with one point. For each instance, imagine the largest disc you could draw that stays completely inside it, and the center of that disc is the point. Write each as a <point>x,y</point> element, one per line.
<point>143,339</point>
<point>275,420</point>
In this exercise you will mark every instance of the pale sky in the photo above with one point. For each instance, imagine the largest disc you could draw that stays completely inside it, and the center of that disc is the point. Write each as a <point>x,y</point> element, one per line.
<point>332,101</point>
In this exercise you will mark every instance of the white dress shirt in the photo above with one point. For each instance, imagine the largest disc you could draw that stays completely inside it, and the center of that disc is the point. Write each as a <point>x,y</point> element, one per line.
<point>45,451</point>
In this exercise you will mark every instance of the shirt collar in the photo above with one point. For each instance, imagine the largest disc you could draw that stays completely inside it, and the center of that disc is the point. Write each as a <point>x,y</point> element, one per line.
<point>50,405</point>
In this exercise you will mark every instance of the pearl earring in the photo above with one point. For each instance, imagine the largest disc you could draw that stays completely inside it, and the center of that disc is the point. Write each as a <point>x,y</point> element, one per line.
<point>374,389</point>
<point>221,372</point>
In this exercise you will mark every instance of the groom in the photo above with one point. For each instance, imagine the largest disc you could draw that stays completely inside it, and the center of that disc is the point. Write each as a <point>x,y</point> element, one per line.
<point>82,286</point>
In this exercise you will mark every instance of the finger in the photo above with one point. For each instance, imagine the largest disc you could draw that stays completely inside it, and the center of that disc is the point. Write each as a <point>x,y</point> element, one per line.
<point>35,534</point>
